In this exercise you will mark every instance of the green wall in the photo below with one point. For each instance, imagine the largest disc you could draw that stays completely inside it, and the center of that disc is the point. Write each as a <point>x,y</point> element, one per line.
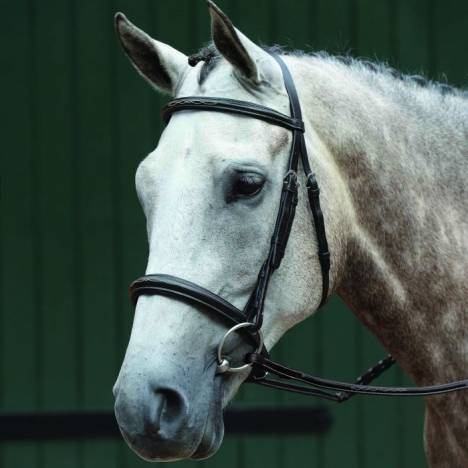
<point>76,120</point>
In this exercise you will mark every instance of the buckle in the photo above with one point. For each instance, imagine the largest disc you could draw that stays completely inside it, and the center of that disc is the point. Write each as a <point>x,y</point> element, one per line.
<point>312,184</point>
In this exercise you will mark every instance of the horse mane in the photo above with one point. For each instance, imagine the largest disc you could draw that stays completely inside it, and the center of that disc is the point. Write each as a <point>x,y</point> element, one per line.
<point>210,56</point>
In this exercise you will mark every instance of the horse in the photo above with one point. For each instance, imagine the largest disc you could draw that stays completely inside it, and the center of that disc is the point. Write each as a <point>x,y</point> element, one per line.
<point>391,155</point>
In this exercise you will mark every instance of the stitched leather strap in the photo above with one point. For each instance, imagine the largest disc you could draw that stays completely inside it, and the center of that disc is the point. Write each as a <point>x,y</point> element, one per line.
<point>343,390</point>
<point>231,106</point>
<point>167,285</point>
<point>313,191</point>
<point>184,290</point>
<point>287,209</point>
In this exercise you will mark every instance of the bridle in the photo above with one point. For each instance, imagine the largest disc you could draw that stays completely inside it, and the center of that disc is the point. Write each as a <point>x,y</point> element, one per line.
<point>249,321</point>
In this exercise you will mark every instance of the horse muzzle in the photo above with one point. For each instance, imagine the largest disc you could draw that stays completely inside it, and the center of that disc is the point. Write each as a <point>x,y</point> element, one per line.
<point>164,423</point>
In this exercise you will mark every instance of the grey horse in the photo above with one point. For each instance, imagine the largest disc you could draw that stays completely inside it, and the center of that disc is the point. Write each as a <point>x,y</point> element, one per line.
<point>391,157</point>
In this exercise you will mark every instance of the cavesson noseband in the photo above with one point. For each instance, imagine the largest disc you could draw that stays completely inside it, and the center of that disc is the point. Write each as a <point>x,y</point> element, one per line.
<point>249,321</point>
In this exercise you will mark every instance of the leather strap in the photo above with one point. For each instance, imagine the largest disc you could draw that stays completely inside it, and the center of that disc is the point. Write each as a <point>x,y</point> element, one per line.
<point>181,289</point>
<point>313,191</point>
<point>343,390</point>
<point>286,212</point>
<point>231,106</point>
<point>186,291</point>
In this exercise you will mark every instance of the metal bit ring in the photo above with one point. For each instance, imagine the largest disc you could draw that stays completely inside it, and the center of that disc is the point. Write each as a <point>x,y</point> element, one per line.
<point>223,363</point>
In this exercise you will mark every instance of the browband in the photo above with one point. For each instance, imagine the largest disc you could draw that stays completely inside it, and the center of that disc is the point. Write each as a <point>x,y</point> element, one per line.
<point>231,106</point>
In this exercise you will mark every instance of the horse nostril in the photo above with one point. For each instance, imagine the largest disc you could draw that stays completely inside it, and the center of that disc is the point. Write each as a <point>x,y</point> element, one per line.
<point>168,407</point>
<point>175,404</point>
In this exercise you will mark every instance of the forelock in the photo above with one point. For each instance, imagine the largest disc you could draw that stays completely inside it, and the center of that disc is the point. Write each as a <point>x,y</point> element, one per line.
<point>210,57</point>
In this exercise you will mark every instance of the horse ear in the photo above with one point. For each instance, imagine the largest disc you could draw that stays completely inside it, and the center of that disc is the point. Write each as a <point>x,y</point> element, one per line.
<point>250,60</point>
<point>161,65</point>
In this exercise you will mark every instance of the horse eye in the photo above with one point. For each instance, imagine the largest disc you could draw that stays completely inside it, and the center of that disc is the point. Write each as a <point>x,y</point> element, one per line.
<point>247,185</point>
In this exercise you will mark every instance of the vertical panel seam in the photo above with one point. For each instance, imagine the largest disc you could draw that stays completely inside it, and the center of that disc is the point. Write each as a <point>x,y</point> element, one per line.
<point>36,186</point>
<point>432,38</point>
<point>76,219</point>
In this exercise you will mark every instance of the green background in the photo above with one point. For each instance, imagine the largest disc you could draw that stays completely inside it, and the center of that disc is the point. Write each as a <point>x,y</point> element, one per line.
<point>76,120</point>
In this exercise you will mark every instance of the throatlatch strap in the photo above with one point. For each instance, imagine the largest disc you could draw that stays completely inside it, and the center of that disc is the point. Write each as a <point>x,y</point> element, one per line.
<point>313,193</point>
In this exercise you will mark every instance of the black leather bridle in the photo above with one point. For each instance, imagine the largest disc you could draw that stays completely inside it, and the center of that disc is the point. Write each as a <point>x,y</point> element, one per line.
<point>249,321</point>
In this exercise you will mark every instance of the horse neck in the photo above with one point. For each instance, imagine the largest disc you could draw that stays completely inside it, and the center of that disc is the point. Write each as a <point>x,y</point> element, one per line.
<point>400,155</point>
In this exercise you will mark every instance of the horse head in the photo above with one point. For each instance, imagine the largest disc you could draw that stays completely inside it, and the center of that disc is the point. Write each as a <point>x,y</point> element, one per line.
<point>210,193</point>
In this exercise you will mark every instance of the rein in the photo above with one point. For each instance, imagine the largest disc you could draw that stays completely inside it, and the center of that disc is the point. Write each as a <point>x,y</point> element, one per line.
<point>249,320</point>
